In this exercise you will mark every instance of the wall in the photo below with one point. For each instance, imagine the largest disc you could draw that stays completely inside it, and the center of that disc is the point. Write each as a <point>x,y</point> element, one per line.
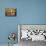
<point>28,12</point>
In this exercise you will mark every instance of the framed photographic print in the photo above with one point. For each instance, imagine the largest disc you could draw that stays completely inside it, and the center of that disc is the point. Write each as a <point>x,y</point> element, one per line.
<point>10,11</point>
<point>32,32</point>
<point>29,33</point>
